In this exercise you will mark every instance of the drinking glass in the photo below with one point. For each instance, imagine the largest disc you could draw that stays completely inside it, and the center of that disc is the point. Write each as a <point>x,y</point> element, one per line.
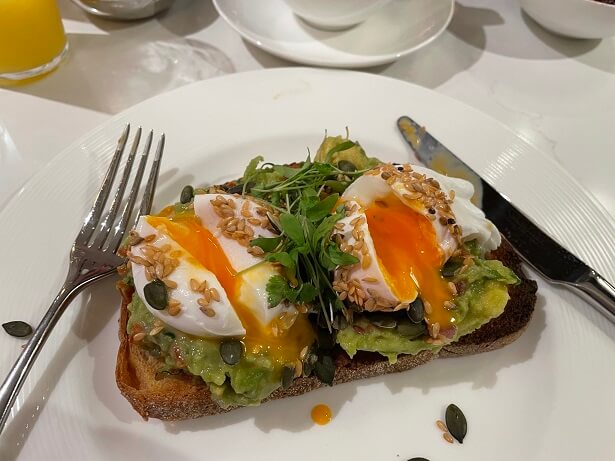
<point>32,39</point>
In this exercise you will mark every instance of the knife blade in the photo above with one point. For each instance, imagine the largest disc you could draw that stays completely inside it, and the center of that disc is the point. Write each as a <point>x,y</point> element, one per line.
<point>551,260</point>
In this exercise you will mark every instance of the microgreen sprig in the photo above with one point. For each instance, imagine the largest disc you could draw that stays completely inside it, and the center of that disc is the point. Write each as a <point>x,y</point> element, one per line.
<point>306,197</point>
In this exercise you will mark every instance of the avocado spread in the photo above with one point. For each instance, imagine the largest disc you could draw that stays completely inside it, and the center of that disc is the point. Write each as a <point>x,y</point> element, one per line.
<point>245,383</point>
<point>308,257</point>
<point>484,298</point>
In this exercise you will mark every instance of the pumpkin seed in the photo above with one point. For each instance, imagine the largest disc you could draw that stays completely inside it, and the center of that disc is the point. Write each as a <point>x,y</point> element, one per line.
<point>324,369</point>
<point>238,188</point>
<point>346,165</point>
<point>187,194</point>
<point>161,374</point>
<point>275,223</point>
<point>456,422</point>
<point>307,368</point>
<point>156,294</point>
<point>310,360</point>
<point>450,267</point>
<point>231,351</point>
<point>152,348</point>
<point>411,330</point>
<point>17,328</point>
<point>288,374</point>
<point>385,323</point>
<point>416,311</point>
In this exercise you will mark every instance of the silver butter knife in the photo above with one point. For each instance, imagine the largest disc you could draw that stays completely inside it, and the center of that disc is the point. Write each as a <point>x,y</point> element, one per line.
<point>549,258</point>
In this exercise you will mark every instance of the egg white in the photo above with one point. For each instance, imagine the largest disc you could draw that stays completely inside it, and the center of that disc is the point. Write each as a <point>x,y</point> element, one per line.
<point>369,188</point>
<point>237,255</point>
<point>474,224</point>
<point>253,273</point>
<point>190,320</point>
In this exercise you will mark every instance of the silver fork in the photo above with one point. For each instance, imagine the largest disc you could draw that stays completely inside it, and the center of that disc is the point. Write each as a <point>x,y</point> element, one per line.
<point>93,254</point>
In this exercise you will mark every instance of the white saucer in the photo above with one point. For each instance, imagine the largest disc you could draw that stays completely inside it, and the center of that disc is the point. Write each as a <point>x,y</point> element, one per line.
<point>398,29</point>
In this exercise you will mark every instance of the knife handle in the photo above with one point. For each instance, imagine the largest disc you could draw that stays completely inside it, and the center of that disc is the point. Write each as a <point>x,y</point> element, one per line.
<point>599,290</point>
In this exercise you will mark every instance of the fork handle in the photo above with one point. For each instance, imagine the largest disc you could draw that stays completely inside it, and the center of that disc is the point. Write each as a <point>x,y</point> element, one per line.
<point>19,372</point>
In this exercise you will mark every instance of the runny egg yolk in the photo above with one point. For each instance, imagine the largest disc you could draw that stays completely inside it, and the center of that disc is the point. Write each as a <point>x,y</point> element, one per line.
<point>409,256</point>
<point>204,249</point>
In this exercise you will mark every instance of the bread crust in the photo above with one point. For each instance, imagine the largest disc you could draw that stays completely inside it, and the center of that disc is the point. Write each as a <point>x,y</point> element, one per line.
<point>182,396</point>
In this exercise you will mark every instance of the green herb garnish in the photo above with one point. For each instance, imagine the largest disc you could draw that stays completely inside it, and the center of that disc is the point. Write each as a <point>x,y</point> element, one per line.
<point>304,198</point>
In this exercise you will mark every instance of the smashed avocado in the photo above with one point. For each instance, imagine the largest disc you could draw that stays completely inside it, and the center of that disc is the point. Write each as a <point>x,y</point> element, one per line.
<point>483,299</point>
<point>245,383</point>
<point>404,338</point>
<point>353,154</point>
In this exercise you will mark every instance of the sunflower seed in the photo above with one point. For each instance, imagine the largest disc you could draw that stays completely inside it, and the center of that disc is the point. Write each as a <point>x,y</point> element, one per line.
<point>138,337</point>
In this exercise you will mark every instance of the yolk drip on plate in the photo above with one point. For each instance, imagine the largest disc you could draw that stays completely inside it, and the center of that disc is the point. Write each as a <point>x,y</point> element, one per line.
<point>205,250</point>
<point>409,255</point>
<point>321,414</point>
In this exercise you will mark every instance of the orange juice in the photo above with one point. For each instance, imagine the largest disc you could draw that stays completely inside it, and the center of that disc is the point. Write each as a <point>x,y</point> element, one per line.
<point>31,35</point>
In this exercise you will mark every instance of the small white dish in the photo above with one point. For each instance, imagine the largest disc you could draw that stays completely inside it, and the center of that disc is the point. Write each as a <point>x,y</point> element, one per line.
<point>395,30</point>
<point>337,15</point>
<point>589,19</point>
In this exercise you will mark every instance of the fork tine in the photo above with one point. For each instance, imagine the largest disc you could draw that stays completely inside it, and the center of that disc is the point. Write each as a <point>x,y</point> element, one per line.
<point>93,216</point>
<point>121,226</point>
<point>150,188</point>
<point>107,224</point>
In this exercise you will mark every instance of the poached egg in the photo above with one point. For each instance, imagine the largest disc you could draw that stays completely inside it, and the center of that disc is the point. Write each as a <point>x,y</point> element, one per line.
<point>216,282</point>
<point>403,223</point>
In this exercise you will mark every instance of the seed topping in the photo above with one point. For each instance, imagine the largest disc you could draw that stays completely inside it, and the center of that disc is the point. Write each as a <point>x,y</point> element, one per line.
<point>456,422</point>
<point>156,294</point>
<point>238,224</point>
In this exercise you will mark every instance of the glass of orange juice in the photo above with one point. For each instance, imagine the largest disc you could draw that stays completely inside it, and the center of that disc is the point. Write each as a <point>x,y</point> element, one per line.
<point>32,39</point>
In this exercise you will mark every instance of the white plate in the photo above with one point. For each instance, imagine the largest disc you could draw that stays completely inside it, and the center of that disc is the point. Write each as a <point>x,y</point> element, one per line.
<point>398,29</point>
<point>546,397</point>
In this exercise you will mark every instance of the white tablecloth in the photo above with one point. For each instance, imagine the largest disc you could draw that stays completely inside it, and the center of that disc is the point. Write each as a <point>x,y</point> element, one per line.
<point>557,93</point>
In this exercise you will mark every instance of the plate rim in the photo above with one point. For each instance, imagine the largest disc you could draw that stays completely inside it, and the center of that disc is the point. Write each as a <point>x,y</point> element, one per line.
<point>87,139</point>
<point>359,62</point>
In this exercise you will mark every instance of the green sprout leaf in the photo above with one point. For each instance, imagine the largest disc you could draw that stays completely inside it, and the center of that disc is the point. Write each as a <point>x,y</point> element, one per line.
<point>291,226</point>
<point>268,244</point>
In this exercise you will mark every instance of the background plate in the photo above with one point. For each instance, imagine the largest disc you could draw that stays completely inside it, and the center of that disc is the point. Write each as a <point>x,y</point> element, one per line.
<point>547,396</point>
<point>398,29</point>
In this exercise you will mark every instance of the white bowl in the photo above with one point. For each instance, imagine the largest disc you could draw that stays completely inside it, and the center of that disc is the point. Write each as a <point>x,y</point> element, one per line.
<point>573,18</point>
<point>335,14</point>
<point>124,9</point>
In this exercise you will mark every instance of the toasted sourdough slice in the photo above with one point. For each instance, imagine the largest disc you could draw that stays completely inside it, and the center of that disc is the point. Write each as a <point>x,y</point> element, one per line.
<point>183,396</point>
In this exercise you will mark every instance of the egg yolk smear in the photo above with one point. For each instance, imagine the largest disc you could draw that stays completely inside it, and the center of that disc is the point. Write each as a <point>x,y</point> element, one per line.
<point>409,256</point>
<point>204,249</point>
